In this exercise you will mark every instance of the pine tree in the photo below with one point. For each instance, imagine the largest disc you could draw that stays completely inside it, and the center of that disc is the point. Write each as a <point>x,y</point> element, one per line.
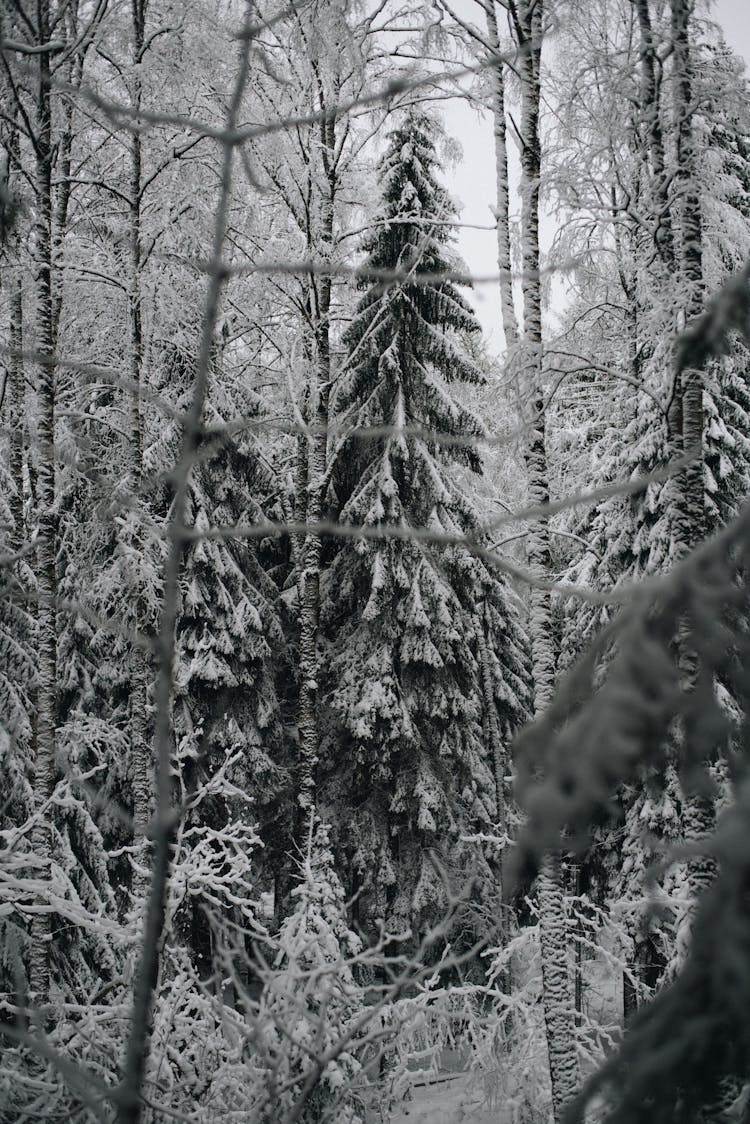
<point>406,768</point>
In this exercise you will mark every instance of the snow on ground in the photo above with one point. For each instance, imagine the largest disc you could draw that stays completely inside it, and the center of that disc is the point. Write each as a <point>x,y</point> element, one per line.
<point>445,1099</point>
<point>457,1100</point>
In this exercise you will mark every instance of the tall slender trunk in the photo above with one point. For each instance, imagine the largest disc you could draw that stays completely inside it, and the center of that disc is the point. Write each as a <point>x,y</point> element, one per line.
<point>499,768</point>
<point>309,574</point>
<point>15,364</point>
<point>511,332</point>
<point>139,745</point>
<point>502,200</point>
<point>16,410</point>
<point>557,997</point>
<point>528,26</point>
<point>46,578</point>
<point>63,150</point>
<point>301,458</point>
<point>311,552</point>
<point>650,98</point>
<point>698,810</point>
<point>497,749</point>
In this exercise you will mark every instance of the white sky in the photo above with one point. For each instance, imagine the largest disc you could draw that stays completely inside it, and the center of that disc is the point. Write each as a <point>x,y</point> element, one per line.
<point>472,182</point>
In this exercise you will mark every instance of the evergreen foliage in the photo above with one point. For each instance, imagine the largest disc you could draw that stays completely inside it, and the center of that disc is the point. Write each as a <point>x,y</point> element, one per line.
<point>230,744</point>
<point>406,767</point>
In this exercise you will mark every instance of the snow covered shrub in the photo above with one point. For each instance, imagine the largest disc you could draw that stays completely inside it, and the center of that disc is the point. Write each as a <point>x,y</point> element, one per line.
<point>511,1052</point>
<point>200,1061</point>
<point>309,1015</point>
<point>67,1072</point>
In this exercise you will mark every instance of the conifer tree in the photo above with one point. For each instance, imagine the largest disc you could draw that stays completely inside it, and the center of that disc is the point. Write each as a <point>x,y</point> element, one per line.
<point>230,739</point>
<point>406,768</point>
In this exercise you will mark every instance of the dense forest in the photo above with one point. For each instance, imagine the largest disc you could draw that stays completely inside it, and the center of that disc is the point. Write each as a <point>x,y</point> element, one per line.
<point>374,708</point>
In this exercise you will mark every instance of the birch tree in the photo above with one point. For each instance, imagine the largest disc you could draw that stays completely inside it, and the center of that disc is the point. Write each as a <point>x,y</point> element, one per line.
<point>527,28</point>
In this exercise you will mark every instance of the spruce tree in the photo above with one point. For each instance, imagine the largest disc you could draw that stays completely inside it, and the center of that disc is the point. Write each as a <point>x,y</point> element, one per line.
<point>406,766</point>
<point>229,733</point>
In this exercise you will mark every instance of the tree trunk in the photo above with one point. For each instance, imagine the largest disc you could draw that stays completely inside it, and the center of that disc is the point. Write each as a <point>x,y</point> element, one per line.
<point>311,553</point>
<point>557,998</point>
<point>499,766</point>
<point>16,411</point>
<point>502,201</point>
<point>15,387</point>
<point>46,578</point>
<point>528,26</point>
<point>559,1018</point>
<point>651,107</point>
<point>140,749</point>
<point>309,592</point>
<point>497,749</point>
<point>698,811</point>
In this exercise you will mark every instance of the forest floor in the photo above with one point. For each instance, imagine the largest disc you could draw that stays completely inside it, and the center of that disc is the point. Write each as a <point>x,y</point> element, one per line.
<point>454,1100</point>
<point>449,1096</point>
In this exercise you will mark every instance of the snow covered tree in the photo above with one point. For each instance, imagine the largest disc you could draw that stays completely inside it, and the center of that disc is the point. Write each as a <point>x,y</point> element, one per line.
<point>406,768</point>
<point>634,287</point>
<point>230,739</point>
<point>311,999</point>
<point>16,690</point>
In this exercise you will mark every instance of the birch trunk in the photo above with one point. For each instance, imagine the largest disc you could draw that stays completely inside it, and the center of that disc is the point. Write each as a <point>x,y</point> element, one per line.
<point>15,365</point>
<point>650,98</point>
<point>16,412</point>
<point>502,200</point>
<point>140,750</point>
<point>46,579</point>
<point>497,749</point>
<point>698,813</point>
<point>528,17</point>
<point>309,591</point>
<point>499,768</point>
<point>556,991</point>
<point>311,552</point>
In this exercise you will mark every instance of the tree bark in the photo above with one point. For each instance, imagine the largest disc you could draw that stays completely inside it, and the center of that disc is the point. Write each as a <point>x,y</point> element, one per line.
<point>317,456</point>
<point>651,107</point>
<point>16,412</point>
<point>45,572</point>
<point>15,388</point>
<point>690,528</point>
<point>499,766</point>
<point>557,998</point>
<point>140,749</point>
<point>497,748</point>
<point>502,200</point>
